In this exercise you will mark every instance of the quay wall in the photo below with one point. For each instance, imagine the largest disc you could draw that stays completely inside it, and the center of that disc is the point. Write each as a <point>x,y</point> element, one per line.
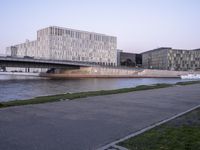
<point>106,72</point>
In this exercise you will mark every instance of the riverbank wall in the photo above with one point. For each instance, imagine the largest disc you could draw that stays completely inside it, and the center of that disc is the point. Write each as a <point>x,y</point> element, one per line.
<point>108,72</point>
<point>21,74</point>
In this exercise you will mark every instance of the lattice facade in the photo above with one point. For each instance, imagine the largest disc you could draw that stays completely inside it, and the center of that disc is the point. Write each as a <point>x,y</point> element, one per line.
<point>171,59</point>
<point>58,43</point>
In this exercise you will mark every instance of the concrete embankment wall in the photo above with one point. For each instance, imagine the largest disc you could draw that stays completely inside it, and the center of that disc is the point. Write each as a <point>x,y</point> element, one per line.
<point>20,73</point>
<point>89,72</point>
<point>162,73</point>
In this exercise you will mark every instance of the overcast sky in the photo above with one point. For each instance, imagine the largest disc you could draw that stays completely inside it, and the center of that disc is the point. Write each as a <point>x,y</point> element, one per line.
<point>139,25</point>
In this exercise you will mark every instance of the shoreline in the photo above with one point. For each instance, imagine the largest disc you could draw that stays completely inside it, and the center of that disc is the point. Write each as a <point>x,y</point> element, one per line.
<point>21,74</point>
<point>66,76</point>
<point>72,96</point>
<point>104,72</point>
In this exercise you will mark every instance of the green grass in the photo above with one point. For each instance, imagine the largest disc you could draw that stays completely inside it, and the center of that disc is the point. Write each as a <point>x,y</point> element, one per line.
<point>187,83</point>
<point>71,96</point>
<point>182,133</point>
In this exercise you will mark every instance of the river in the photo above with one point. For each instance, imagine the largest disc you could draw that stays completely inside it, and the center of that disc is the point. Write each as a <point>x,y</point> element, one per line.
<point>20,87</point>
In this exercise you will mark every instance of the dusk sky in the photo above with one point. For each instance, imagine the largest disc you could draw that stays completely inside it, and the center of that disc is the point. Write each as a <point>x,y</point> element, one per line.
<point>139,25</point>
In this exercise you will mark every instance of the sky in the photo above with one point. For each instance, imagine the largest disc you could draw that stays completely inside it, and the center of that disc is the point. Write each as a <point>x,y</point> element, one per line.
<point>139,25</point>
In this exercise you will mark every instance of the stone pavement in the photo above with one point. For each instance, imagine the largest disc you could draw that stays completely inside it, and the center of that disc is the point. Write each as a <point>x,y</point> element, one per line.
<point>89,123</point>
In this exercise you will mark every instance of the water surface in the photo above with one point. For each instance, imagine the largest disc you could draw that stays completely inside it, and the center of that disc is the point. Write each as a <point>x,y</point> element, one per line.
<point>20,87</point>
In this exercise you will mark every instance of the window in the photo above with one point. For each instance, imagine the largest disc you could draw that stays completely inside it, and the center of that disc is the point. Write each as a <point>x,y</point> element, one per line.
<point>51,31</point>
<point>72,34</point>
<point>56,31</point>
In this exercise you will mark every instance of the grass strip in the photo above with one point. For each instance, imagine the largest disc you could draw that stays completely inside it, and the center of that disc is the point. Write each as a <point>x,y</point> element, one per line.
<point>71,96</point>
<point>182,133</point>
<point>188,82</point>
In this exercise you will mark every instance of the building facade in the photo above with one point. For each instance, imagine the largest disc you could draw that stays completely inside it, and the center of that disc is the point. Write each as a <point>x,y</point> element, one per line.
<point>118,56</point>
<point>171,59</point>
<point>58,43</point>
<point>129,59</point>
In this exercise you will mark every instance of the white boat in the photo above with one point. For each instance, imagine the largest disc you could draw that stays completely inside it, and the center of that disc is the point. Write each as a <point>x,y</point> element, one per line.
<point>190,76</point>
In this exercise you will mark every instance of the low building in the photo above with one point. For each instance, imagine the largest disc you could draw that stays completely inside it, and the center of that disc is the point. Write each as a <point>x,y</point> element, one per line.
<point>130,59</point>
<point>167,58</point>
<point>58,43</point>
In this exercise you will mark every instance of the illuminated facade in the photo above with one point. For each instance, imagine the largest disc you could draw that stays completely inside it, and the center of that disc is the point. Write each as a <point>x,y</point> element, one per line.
<point>58,43</point>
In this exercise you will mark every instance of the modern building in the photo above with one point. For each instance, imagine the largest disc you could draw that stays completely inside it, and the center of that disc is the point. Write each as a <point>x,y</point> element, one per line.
<point>119,51</point>
<point>58,43</point>
<point>167,58</point>
<point>129,59</point>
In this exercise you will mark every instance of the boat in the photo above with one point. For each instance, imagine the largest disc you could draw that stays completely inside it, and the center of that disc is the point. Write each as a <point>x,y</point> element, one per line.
<point>190,76</point>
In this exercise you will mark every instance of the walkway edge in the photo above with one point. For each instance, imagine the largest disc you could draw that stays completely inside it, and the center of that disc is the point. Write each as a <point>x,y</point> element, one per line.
<point>113,144</point>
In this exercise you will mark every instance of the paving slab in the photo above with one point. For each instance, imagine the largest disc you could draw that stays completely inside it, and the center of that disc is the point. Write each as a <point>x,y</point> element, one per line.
<point>89,123</point>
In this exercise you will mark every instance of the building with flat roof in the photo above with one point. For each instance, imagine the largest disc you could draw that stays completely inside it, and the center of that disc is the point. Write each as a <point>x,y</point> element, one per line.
<point>167,58</point>
<point>58,43</point>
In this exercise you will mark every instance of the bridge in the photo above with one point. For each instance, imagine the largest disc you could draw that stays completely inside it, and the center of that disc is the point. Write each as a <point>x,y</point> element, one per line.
<point>29,62</point>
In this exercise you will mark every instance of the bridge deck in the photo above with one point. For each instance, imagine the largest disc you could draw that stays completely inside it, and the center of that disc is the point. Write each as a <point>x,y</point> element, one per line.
<point>32,62</point>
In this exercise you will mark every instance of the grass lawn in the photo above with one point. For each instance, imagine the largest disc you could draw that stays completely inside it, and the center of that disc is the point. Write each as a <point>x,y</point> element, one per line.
<point>182,133</point>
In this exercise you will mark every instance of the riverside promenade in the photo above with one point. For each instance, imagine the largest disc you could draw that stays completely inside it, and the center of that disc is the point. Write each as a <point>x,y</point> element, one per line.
<point>90,123</point>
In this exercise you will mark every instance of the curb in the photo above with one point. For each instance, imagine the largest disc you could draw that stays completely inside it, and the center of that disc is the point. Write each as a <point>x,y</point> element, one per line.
<point>116,147</point>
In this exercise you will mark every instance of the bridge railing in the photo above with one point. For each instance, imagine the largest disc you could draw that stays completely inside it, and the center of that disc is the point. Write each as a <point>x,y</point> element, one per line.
<point>45,59</point>
<point>69,61</point>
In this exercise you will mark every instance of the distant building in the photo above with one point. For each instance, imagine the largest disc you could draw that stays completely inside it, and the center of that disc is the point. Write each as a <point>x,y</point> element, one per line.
<point>167,58</point>
<point>58,43</point>
<point>119,51</point>
<point>129,59</point>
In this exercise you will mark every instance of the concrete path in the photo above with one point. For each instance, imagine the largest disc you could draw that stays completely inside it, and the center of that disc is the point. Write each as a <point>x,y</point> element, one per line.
<point>90,123</point>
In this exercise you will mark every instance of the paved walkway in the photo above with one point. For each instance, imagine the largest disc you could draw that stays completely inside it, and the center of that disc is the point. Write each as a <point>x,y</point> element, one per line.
<point>90,123</point>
